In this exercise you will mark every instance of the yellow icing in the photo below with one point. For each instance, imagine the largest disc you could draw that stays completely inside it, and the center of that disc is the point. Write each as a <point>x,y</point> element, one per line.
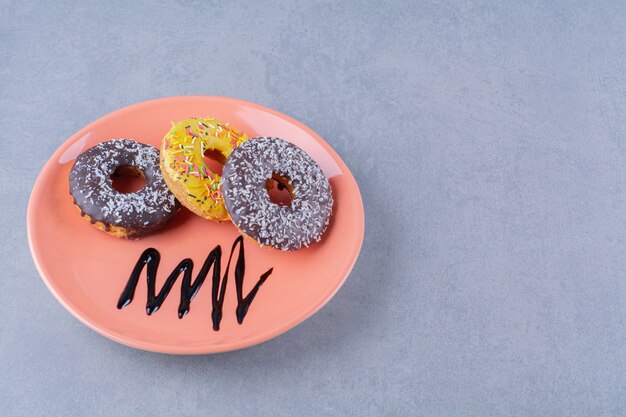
<point>182,152</point>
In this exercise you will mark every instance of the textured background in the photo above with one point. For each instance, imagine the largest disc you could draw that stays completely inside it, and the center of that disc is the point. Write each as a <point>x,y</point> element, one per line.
<point>488,142</point>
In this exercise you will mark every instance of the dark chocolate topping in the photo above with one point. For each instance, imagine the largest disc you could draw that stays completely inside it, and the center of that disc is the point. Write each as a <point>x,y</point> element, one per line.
<point>249,205</point>
<point>150,259</point>
<point>92,187</point>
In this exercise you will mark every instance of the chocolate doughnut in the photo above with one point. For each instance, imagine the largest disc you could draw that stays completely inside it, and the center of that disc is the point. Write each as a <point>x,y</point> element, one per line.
<point>244,186</point>
<point>122,215</point>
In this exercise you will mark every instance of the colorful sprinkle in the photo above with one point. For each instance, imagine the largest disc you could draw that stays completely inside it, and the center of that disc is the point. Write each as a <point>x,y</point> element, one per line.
<point>189,132</point>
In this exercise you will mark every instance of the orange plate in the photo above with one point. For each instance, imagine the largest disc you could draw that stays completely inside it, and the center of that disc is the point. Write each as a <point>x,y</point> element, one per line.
<point>86,269</point>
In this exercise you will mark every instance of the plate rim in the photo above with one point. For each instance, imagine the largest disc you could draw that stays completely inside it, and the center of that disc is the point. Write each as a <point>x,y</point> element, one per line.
<point>183,349</point>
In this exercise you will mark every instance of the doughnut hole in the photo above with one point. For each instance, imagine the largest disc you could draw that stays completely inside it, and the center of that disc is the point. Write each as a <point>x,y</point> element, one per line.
<point>280,189</point>
<point>128,179</point>
<point>214,160</point>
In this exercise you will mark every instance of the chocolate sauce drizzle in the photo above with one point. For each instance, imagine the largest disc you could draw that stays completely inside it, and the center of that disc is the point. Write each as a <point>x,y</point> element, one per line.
<point>150,258</point>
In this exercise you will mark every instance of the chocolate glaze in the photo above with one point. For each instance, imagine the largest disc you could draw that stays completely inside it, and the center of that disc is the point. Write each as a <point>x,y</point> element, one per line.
<point>150,259</point>
<point>91,187</point>
<point>249,206</point>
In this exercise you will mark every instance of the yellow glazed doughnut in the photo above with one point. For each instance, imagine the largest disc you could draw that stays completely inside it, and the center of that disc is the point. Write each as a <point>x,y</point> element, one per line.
<point>184,169</point>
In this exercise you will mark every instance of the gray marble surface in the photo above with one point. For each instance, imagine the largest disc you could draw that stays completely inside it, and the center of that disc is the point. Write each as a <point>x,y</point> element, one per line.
<point>488,139</point>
